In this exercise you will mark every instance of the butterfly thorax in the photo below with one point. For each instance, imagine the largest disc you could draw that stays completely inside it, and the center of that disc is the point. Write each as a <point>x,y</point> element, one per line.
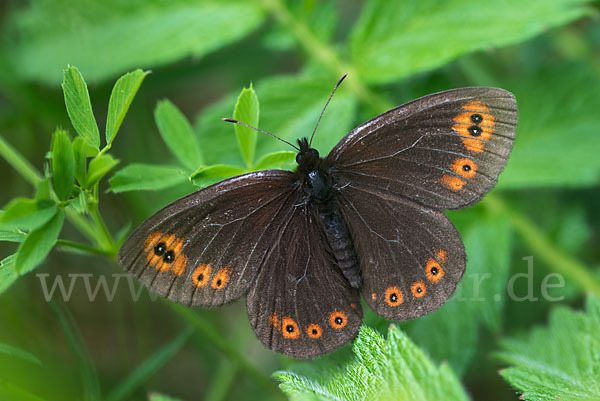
<point>315,179</point>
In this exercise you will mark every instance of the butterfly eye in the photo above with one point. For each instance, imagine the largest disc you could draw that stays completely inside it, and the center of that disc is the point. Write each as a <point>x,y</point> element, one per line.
<point>299,158</point>
<point>314,153</point>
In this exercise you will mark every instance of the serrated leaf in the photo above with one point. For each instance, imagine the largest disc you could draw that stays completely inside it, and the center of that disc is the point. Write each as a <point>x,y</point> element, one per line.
<point>247,110</point>
<point>19,353</point>
<point>392,369</point>
<point>99,166</point>
<point>208,175</point>
<point>79,107</point>
<point>544,145</point>
<point>27,214</point>
<point>394,39</point>
<point>110,37</point>
<point>178,134</point>
<point>479,298</point>
<point>80,154</point>
<point>8,274</point>
<point>274,159</point>
<point>63,165</point>
<point>145,177</point>
<point>38,244</point>
<point>120,99</point>
<point>560,361</point>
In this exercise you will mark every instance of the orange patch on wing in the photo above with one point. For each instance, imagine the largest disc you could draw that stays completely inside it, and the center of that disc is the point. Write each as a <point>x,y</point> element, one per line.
<point>221,278</point>
<point>201,275</point>
<point>162,266</point>
<point>465,167</point>
<point>289,328</point>
<point>451,182</point>
<point>418,289</point>
<point>338,319</point>
<point>314,331</point>
<point>353,306</point>
<point>180,259</point>
<point>441,256</point>
<point>393,296</point>
<point>152,240</point>
<point>434,271</point>
<point>464,124</point>
<point>275,321</point>
<point>374,296</point>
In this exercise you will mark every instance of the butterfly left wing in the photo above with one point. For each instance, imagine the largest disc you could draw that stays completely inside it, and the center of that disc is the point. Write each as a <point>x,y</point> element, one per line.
<point>443,150</point>
<point>205,249</point>
<point>411,257</point>
<point>301,304</point>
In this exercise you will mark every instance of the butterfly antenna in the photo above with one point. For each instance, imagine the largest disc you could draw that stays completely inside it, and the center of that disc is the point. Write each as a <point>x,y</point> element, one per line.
<point>328,100</point>
<point>230,120</point>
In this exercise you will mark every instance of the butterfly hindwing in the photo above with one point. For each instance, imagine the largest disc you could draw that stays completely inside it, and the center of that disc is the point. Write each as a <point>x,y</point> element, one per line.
<point>206,248</point>
<point>411,257</point>
<point>301,304</point>
<point>444,150</point>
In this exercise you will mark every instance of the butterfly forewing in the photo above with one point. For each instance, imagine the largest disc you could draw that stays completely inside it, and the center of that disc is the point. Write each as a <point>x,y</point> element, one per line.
<point>411,257</point>
<point>301,304</point>
<point>444,150</point>
<point>206,248</point>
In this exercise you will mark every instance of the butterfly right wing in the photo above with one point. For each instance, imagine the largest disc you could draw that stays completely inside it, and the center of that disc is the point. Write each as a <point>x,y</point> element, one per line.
<point>205,249</point>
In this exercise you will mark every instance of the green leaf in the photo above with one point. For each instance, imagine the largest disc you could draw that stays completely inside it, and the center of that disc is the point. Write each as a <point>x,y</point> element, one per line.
<point>63,164</point>
<point>395,369</point>
<point>110,37</point>
<point>479,298</point>
<point>80,153</point>
<point>206,175</point>
<point>178,134</point>
<point>394,39</point>
<point>79,107</point>
<point>553,135</point>
<point>274,159</point>
<point>99,166</point>
<point>247,110</point>
<point>148,368</point>
<point>146,177</point>
<point>19,353</point>
<point>27,214</point>
<point>8,274</point>
<point>38,244</point>
<point>121,97</point>
<point>161,397</point>
<point>560,361</point>
<point>11,236</point>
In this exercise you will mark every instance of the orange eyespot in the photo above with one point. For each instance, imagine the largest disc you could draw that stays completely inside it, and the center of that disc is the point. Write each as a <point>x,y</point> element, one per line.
<point>476,126</point>
<point>441,256</point>
<point>393,296</point>
<point>220,279</point>
<point>201,275</point>
<point>465,167</point>
<point>289,328</point>
<point>418,289</point>
<point>338,319</point>
<point>451,182</point>
<point>314,331</point>
<point>434,271</point>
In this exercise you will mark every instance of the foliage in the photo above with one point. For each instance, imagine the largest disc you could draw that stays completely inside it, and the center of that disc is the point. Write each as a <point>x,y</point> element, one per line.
<point>272,64</point>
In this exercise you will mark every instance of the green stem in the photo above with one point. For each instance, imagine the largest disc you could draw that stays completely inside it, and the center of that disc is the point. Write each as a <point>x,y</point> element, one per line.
<point>534,237</point>
<point>19,163</point>
<point>326,54</point>
<point>82,247</point>
<point>107,241</point>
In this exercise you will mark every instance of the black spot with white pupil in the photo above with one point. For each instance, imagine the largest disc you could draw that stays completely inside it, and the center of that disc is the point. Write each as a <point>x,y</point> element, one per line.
<point>393,297</point>
<point>160,248</point>
<point>474,130</point>
<point>338,320</point>
<point>314,331</point>
<point>169,257</point>
<point>289,328</point>
<point>434,270</point>
<point>476,118</point>
<point>419,290</point>
<point>466,168</point>
<point>200,277</point>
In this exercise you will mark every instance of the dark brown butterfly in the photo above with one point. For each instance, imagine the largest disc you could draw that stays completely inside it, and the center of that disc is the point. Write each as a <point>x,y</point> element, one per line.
<point>365,219</point>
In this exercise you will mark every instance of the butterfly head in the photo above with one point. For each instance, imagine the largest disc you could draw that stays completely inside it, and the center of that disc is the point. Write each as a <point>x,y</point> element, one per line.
<point>307,157</point>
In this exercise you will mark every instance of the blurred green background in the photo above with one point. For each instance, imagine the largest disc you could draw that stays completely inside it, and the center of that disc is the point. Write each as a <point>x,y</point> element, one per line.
<point>202,53</point>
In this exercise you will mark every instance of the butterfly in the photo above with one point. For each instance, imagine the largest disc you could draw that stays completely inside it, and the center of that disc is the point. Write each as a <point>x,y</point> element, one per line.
<point>366,219</point>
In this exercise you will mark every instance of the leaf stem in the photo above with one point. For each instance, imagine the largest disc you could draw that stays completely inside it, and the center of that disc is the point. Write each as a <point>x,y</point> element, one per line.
<point>559,261</point>
<point>82,247</point>
<point>326,54</point>
<point>19,163</point>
